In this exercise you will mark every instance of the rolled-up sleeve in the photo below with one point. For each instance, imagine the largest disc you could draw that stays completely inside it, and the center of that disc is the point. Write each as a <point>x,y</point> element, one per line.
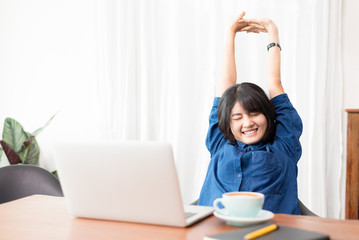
<point>214,135</point>
<point>289,126</point>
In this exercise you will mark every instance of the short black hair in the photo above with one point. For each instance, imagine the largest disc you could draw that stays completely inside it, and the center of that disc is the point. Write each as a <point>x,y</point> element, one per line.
<point>252,98</point>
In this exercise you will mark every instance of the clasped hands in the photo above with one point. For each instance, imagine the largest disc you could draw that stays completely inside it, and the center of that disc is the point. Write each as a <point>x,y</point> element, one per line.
<point>253,25</point>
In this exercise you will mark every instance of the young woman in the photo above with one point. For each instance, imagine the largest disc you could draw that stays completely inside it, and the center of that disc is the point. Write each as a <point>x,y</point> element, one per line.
<point>253,139</point>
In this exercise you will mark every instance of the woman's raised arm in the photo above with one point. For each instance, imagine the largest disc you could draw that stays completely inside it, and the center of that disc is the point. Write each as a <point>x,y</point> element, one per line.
<point>275,87</point>
<point>229,72</point>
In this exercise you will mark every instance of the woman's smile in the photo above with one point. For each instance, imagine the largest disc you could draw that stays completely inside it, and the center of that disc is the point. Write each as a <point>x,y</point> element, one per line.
<point>250,132</point>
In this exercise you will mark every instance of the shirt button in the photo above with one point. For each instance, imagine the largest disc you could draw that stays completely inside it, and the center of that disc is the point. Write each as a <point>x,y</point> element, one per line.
<point>239,175</point>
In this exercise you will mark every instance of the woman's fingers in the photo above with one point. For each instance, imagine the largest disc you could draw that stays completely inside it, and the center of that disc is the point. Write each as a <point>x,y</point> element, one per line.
<point>248,30</point>
<point>241,15</point>
<point>237,25</point>
<point>264,22</point>
<point>253,27</point>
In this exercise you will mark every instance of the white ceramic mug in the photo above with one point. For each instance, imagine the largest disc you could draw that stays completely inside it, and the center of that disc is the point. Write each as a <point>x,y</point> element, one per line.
<point>240,204</point>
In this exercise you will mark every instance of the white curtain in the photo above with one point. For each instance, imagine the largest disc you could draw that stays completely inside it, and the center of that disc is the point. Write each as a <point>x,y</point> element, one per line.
<point>159,65</point>
<point>148,70</point>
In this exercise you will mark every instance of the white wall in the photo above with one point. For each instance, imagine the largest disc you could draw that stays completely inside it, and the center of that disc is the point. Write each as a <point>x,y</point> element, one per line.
<point>350,48</point>
<point>47,48</point>
<point>350,68</point>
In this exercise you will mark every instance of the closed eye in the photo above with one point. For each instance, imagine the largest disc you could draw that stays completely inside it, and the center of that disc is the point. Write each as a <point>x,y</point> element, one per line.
<point>236,116</point>
<point>254,113</point>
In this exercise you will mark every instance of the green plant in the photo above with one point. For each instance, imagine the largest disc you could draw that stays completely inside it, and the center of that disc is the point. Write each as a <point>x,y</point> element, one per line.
<point>18,145</point>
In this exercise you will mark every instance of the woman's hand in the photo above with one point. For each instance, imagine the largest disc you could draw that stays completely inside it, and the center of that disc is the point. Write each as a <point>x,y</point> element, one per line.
<point>243,25</point>
<point>257,25</point>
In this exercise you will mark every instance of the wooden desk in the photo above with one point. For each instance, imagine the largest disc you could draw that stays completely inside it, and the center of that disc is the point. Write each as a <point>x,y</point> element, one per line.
<point>45,217</point>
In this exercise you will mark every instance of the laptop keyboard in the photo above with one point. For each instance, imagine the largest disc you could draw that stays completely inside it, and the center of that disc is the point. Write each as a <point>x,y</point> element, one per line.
<point>189,214</point>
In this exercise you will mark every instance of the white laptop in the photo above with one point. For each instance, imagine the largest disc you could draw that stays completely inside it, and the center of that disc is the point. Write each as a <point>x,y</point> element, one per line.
<point>127,181</point>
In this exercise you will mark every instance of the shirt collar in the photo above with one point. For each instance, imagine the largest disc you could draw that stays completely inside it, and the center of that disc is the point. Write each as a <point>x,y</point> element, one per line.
<point>255,146</point>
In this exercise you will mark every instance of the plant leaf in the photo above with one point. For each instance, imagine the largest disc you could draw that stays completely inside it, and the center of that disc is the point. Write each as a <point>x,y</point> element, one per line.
<point>10,154</point>
<point>30,152</point>
<point>14,134</point>
<point>55,174</point>
<point>42,128</point>
<point>28,142</point>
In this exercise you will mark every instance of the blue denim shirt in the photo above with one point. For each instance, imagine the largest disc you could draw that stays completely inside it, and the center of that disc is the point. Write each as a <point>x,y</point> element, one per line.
<point>267,168</point>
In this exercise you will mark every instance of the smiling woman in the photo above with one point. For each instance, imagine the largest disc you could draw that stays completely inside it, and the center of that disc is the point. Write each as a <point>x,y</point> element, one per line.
<point>253,140</point>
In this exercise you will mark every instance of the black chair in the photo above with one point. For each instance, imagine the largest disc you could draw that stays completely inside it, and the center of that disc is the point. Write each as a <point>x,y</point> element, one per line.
<point>18,181</point>
<point>304,210</point>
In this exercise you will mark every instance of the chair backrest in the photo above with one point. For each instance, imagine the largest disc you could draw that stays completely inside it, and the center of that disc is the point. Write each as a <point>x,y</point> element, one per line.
<point>304,210</point>
<point>18,181</point>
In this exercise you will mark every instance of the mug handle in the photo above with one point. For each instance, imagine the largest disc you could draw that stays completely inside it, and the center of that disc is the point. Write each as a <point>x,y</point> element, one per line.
<point>215,205</point>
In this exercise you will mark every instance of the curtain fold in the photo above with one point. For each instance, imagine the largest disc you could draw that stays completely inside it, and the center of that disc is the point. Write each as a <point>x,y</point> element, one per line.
<point>159,66</point>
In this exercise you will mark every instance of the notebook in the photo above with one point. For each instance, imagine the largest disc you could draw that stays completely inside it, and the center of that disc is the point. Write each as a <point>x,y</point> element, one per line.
<point>283,232</point>
<point>128,181</point>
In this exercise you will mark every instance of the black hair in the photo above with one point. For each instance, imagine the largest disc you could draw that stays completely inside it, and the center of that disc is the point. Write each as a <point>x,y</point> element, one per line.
<point>252,98</point>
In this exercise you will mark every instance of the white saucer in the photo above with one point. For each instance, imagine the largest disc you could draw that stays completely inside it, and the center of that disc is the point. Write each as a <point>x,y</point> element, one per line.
<point>263,216</point>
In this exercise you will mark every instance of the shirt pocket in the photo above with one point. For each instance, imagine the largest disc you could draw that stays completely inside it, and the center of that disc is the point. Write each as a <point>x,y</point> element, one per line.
<point>263,173</point>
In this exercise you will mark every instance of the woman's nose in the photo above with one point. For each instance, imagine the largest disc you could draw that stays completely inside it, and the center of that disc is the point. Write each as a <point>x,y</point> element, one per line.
<point>247,121</point>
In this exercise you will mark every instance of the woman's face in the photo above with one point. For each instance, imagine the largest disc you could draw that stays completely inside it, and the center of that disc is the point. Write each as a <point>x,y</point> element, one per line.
<point>249,128</point>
